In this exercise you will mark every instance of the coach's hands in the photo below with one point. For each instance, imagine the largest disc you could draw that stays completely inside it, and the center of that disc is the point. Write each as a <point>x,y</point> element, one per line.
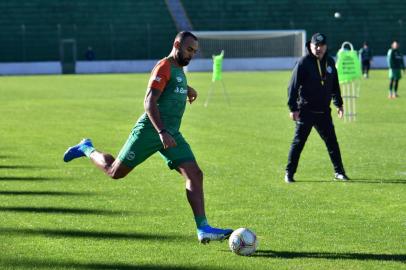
<point>191,94</point>
<point>340,112</point>
<point>294,115</point>
<point>167,140</point>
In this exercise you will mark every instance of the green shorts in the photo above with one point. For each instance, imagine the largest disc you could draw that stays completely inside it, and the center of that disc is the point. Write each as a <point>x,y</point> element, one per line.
<point>144,142</point>
<point>395,74</point>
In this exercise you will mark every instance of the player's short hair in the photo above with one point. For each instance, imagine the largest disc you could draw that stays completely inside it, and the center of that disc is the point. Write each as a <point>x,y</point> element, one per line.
<point>181,36</point>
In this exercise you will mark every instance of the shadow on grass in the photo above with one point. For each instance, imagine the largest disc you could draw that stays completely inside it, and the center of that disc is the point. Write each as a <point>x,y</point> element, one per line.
<point>90,234</point>
<point>378,181</point>
<point>31,167</point>
<point>61,210</point>
<point>28,178</point>
<point>5,157</point>
<point>44,193</point>
<point>29,264</point>
<point>312,181</point>
<point>330,255</point>
<point>359,181</point>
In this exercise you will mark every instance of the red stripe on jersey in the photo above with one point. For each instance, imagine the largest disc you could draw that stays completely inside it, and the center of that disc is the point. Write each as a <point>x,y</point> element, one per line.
<point>160,75</point>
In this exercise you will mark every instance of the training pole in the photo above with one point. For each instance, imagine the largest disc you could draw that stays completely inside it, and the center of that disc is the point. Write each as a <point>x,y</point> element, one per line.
<point>349,95</point>
<point>217,76</point>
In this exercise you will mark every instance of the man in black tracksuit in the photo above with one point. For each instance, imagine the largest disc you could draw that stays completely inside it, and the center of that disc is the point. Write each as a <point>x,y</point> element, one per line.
<point>313,84</point>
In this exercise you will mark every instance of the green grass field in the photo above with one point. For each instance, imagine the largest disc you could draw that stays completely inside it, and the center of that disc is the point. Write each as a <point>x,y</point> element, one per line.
<point>71,216</point>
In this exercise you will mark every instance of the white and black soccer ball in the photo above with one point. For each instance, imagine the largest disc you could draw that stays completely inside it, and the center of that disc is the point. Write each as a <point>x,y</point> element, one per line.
<point>243,242</point>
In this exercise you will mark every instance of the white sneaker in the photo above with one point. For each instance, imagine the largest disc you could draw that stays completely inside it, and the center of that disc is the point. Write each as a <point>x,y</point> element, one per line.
<point>341,177</point>
<point>289,178</point>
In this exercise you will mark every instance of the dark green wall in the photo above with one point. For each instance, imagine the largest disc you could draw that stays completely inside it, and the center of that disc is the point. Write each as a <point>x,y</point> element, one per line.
<point>376,21</point>
<point>30,30</point>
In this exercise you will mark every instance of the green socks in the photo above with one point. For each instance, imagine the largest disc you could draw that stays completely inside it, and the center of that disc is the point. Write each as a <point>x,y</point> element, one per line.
<point>87,150</point>
<point>201,221</point>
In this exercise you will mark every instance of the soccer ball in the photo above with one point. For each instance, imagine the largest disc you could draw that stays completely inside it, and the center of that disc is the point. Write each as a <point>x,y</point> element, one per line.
<point>243,242</point>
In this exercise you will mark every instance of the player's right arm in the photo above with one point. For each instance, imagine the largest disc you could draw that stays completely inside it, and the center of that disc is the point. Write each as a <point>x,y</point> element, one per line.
<point>151,108</point>
<point>160,76</point>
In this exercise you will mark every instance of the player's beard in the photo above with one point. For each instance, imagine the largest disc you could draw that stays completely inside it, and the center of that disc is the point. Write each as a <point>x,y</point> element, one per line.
<point>183,61</point>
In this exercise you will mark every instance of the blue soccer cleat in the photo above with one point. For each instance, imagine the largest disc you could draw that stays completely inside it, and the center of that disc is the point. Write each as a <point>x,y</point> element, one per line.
<point>76,151</point>
<point>206,234</point>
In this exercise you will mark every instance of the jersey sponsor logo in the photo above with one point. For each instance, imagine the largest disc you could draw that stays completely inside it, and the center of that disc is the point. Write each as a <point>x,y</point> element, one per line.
<point>179,79</point>
<point>130,155</point>
<point>180,90</point>
<point>157,79</point>
<point>329,69</point>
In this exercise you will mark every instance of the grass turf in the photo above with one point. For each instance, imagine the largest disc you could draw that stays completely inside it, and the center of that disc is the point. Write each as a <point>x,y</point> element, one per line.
<point>71,216</point>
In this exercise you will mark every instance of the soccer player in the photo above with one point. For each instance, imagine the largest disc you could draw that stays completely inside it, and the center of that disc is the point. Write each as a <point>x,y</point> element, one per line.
<point>395,63</point>
<point>365,54</point>
<point>157,130</point>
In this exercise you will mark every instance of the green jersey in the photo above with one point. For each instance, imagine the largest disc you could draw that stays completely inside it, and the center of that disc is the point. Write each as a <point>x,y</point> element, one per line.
<point>395,59</point>
<point>171,80</point>
<point>144,140</point>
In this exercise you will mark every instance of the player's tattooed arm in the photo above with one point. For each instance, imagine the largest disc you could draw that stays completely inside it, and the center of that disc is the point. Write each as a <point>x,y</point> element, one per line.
<point>151,108</point>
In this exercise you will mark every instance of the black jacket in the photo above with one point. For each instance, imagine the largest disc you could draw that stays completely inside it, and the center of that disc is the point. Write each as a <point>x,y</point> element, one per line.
<point>306,91</point>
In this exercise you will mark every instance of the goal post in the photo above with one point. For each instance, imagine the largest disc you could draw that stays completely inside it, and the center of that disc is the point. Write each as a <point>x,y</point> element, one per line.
<point>252,44</point>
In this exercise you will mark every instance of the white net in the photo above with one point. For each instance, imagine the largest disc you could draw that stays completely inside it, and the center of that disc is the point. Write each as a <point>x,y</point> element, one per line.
<point>252,44</point>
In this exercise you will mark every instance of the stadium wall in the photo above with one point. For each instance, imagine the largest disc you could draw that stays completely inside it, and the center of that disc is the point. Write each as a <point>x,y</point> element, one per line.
<point>124,33</point>
<point>137,66</point>
<point>376,21</point>
<point>31,30</point>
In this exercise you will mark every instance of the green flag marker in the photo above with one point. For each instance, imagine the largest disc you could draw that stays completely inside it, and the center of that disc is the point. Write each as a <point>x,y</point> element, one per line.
<point>217,67</point>
<point>348,65</point>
